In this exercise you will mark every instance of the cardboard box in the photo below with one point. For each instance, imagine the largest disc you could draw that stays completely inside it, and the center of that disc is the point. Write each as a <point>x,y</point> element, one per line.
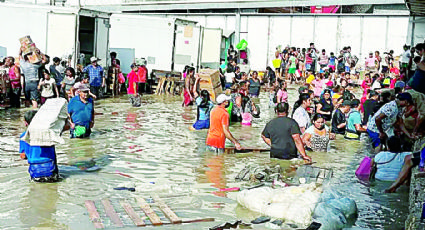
<point>210,80</point>
<point>25,40</point>
<point>27,45</point>
<point>34,57</point>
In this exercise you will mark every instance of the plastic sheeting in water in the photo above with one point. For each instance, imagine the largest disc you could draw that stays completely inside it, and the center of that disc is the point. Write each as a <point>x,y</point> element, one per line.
<point>334,211</point>
<point>295,204</point>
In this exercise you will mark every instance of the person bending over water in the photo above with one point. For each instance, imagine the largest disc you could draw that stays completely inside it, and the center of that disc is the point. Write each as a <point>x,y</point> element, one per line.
<point>389,163</point>
<point>42,159</point>
<point>317,136</point>
<point>205,105</point>
<point>283,135</point>
<point>219,126</point>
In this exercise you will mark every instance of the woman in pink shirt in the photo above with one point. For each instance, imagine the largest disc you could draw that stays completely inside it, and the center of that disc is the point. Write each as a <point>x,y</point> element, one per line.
<point>317,85</point>
<point>367,82</point>
<point>370,63</point>
<point>282,94</point>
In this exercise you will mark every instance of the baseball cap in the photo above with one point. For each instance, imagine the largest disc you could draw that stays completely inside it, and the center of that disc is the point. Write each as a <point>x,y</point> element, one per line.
<point>222,98</point>
<point>346,103</point>
<point>400,84</point>
<point>92,59</point>
<point>301,89</point>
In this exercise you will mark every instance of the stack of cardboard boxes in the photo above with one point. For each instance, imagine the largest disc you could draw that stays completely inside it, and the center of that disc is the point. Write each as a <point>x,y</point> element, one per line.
<point>28,47</point>
<point>210,80</point>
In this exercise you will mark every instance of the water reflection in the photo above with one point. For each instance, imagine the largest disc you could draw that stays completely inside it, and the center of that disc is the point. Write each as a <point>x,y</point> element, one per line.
<point>38,206</point>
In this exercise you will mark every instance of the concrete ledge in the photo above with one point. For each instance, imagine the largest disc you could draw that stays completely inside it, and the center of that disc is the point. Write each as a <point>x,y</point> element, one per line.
<point>416,199</point>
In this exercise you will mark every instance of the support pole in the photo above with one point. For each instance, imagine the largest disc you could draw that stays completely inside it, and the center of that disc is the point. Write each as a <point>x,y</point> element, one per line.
<point>237,26</point>
<point>412,39</point>
<point>386,33</point>
<point>361,37</point>
<point>268,41</point>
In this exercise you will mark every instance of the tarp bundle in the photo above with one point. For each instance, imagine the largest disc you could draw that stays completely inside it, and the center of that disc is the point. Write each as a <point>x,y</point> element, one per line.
<point>295,204</point>
<point>47,124</point>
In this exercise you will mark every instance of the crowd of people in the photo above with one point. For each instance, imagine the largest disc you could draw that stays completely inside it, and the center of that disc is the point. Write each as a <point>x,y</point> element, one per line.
<point>40,81</point>
<point>389,110</point>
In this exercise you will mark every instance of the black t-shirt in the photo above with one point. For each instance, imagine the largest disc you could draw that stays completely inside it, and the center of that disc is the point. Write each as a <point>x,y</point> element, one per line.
<point>338,118</point>
<point>327,107</point>
<point>280,131</point>
<point>369,109</point>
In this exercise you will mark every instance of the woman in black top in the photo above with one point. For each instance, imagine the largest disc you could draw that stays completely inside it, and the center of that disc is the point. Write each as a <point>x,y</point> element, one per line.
<point>325,106</point>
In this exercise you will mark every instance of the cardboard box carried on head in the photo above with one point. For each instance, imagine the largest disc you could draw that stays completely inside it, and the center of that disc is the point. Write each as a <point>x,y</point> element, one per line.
<point>29,48</point>
<point>210,81</point>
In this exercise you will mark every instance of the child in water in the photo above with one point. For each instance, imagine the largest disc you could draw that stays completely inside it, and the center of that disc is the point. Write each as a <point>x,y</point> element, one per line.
<point>42,159</point>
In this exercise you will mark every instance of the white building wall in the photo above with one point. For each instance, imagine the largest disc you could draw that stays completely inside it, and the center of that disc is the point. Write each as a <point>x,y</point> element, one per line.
<point>363,33</point>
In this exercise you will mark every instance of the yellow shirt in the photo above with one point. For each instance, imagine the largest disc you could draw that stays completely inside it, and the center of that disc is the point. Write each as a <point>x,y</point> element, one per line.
<point>309,79</point>
<point>336,96</point>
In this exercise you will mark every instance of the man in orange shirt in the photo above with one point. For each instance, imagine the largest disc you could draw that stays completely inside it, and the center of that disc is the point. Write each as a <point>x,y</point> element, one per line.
<point>219,126</point>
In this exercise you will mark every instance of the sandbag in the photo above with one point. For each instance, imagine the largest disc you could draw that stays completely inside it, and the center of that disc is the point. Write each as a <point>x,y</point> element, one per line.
<point>345,205</point>
<point>47,124</point>
<point>330,217</point>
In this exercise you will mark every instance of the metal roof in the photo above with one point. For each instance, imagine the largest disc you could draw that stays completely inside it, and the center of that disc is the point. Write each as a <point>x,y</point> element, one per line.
<point>416,7</point>
<point>169,5</point>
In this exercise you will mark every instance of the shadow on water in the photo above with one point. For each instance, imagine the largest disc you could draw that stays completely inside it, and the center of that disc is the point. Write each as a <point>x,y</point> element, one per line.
<point>154,147</point>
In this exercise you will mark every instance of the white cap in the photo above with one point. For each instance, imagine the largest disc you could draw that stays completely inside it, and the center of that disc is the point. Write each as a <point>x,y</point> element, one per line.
<point>222,98</point>
<point>92,59</point>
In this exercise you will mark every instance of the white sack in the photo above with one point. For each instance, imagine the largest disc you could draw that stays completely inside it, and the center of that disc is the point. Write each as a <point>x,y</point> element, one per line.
<point>295,204</point>
<point>47,124</point>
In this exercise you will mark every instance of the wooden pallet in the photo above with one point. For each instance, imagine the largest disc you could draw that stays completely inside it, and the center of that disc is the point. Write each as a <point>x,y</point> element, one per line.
<point>232,150</point>
<point>153,217</point>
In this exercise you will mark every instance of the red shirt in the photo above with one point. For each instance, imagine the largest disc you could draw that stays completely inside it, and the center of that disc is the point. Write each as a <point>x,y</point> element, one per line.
<point>132,80</point>
<point>141,74</point>
<point>218,117</point>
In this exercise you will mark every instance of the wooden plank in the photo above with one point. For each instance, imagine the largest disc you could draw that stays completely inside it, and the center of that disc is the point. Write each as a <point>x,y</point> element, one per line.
<point>232,150</point>
<point>133,215</point>
<point>148,211</point>
<point>93,214</point>
<point>187,221</point>
<point>110,211</point>
<point>166,210</point>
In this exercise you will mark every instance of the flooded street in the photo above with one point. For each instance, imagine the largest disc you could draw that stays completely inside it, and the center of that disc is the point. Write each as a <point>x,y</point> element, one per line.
<point>153,146</point>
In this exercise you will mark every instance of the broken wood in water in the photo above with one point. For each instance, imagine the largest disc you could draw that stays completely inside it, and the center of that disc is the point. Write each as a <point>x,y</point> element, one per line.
<point>133,215</point>
<point>232,150</point>
<point>110,211</point>
<point>166,210</point>
<point>153,217</point>
<point>93,214</point>
<point>136,218</point>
